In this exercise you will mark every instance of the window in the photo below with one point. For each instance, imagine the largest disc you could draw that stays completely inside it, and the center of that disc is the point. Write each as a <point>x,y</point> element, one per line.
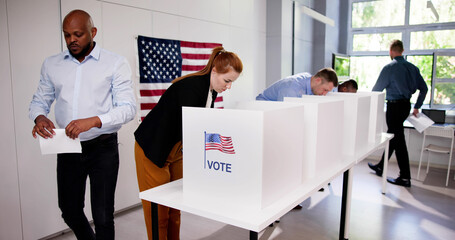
<point>435,11</point>
<point>374,42</point>
<point>444,79</point>
<point>424,63</point>
<point>442,39</point>
<point>426,27</point>
<point>371,13</point>
<point>341,65</point>
<point>365,70</point>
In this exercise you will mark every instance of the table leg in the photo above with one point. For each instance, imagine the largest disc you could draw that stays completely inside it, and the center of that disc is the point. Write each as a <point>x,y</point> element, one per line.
<point>253,235</point>
<point>346,205</point>
<point>384,170</point>
<point>155,233</point>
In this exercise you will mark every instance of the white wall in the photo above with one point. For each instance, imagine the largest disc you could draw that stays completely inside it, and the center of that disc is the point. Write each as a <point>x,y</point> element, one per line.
<point>304,53</point>
<point>10,222</point>
<point>279,40</point>
<point>31,31</point>
<point>33,34</point>
<point>314,42</point>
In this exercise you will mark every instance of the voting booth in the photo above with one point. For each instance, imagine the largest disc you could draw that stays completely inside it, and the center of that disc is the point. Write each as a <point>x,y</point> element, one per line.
<point>248,156</point>
<point>356,121</point>
<point>323,127</point>
<point>377,115</point>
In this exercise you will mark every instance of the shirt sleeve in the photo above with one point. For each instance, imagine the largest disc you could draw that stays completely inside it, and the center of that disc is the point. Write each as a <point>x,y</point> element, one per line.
<point>124,103</point>
<point>288,91</point>
<point>382,82</point>
<point>43,97</point>
<point>423,89</point>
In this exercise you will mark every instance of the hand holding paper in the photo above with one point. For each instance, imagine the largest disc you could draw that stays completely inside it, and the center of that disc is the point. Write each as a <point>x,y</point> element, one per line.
<point>59,143</point>
<point>421,122</point>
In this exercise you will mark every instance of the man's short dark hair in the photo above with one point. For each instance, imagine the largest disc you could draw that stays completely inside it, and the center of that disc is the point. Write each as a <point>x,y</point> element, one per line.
<point>328,75</point>
<point>397,46</point>
<point>350,84</point>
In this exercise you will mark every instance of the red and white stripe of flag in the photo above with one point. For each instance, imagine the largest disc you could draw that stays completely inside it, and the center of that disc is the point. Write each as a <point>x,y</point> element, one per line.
<point>194,58</point>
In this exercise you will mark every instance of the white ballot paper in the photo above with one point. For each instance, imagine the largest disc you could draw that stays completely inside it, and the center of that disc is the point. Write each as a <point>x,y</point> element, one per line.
<point>59,143</point>
<point>421,122</point>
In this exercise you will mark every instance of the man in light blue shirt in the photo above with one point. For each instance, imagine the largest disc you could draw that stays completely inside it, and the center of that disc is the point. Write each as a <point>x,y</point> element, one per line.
<point>401,79</point>
<point>301,84</point>
<point>93,96</point>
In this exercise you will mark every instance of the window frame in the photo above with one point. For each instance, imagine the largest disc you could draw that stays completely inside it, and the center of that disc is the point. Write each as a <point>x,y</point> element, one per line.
<point>435,79</point>
<point>406,31</point>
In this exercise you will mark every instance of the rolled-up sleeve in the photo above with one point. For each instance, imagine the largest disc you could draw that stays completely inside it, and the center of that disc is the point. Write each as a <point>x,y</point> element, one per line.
<point>124,103</point>
<point>383,80</point>
<point>43,97</point>
<point>423,89</point>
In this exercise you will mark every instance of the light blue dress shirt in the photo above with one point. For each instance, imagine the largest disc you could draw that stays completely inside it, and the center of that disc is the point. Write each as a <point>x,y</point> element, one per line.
<point>401,79</point>
<point>98,86</point>
<point>293,86</point>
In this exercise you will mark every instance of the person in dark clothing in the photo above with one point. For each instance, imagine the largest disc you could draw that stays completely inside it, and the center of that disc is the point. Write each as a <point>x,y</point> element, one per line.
<point>401,79</point>
<point>158,148</point>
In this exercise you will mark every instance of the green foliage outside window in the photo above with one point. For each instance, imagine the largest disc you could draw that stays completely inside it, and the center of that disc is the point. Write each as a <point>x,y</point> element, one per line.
<point>371,14</point>
<point>441,39</point>
<point>445,91</point>
<point>445,67</point>
<point>365,70</point>
<point>425,65</point>
<point>421,12</point>
<point>342,66</point>
<point>374,42</point>
<point>387,17</point>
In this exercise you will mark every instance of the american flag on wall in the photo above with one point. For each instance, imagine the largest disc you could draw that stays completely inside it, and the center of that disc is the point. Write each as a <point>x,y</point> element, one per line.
<point>163,60</point>
<point>215,141</point>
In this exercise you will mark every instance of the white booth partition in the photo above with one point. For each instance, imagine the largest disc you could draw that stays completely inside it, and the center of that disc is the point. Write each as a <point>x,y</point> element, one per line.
<point>323,126</point>
<point>377,115</point>
<point>248,156</point>
<point>356,121</point>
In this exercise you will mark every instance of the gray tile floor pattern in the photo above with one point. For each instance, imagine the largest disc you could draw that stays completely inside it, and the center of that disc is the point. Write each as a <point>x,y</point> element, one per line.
<point>425,211</point>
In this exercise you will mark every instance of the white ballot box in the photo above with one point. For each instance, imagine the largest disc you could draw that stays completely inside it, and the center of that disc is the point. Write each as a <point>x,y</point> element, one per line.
<point>323,127</point>
<point>377,115</point>
<point>356,121</point>
<point>248,156</point>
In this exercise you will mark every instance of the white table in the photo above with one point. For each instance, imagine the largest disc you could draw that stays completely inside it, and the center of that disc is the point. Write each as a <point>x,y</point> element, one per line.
<point>171,195</point>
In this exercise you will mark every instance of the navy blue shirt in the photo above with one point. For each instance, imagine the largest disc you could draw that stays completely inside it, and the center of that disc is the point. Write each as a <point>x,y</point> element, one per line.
<point>401,79</point>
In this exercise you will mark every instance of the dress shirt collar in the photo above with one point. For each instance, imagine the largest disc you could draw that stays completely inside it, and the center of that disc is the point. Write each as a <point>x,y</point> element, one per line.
<point>307,84</point>
<point>399,58</point>
<point>95,53</point>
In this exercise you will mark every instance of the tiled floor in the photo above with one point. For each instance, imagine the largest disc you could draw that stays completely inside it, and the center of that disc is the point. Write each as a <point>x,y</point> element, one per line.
<point>423,212</point>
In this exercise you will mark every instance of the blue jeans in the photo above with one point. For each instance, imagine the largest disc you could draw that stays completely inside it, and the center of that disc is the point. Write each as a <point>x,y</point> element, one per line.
<point>99,161</point>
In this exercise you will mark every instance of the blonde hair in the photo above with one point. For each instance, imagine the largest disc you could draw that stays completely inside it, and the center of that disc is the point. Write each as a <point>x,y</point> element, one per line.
<point>221,60</point>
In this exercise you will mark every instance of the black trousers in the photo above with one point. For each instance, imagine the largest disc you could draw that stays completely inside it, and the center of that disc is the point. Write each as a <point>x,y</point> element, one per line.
<point>396,114</point>
<point>99,161</point>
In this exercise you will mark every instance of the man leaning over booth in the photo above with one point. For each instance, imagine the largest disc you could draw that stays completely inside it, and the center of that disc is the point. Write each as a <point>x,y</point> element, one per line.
<point>301,84</point>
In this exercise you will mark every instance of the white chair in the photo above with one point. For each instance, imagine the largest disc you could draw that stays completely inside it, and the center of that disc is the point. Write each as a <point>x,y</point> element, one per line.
<point>444,132</point>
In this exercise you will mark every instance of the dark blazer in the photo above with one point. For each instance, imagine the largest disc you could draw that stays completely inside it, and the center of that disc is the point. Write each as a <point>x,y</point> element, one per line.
<point>162,127</point>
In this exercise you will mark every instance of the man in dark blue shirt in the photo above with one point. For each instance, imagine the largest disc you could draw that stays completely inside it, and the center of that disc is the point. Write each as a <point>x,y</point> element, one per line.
<point>401,79</point>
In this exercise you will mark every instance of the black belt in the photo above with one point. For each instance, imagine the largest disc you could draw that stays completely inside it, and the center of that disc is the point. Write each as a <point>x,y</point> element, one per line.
<point>399,101</point>
<point>101,138</point>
